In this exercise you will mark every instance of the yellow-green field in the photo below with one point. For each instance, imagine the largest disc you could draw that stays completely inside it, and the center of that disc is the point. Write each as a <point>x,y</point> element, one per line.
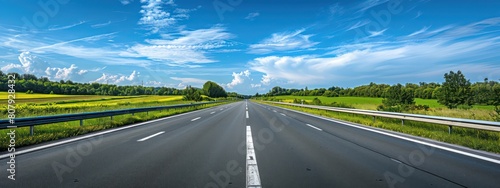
<point>479,112</point>
<point>29,105</point>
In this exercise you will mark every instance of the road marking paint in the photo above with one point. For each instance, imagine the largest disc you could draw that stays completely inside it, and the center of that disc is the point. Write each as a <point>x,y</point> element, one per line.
<point>496,161</point>
<point>145,138</point>
<point>282,114</point>
<point>212,112</point>
<point>274,110</point>
<point>222,109</point>
<point>196,119</point>
<point>397,161</point>
<point>253,178</point>
<point>247,114</point>
<point>314,127</point>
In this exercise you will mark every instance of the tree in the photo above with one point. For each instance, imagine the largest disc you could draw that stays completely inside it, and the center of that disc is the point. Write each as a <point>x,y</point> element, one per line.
<point>399,95</point>
<point>455,91</point>
<point>191,94</point>
<point>213,90</point>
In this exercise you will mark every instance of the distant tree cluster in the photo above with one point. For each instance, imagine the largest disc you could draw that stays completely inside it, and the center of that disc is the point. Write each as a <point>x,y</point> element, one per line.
<point>455,91</point>
<point>28,83</point>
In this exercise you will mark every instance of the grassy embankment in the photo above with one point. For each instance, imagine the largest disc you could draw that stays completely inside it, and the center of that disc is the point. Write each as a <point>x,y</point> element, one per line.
<point>479,112</point>
<point>28,105</point>
<point>475,139</point>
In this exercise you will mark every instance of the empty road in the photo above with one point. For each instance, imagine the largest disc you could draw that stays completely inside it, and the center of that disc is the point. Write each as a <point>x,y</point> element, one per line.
<point>246,144</point>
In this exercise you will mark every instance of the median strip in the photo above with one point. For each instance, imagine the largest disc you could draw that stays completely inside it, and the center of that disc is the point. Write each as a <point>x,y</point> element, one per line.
<point>253,178</point>
<point>143,139</point>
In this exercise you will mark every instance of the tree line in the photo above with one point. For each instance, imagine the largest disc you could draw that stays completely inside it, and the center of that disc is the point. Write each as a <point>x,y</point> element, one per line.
<point>454,92</point>
<point>29,83</point>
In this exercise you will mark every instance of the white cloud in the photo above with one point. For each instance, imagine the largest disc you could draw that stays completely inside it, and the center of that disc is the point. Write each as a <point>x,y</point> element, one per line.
<point>118,79</point>
<point>56,27</point>
<point>99,25</point>
<point>376,33</point>
<point>419,31</point>
<point>30,64</point>
<point>252,16</point>
<point>238,78</point>
<point>390,59</point>
<point>283,42</point>
<point>447,47</point>
<point>369,4</point>
<point>255,85</point>
<point>61,73</point>
<point>126,2</point>
<point>358,24</point>
<point>190,47</point>
<point>155,18</point>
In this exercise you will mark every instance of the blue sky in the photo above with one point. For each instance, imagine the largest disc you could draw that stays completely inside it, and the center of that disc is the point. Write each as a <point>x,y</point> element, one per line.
<point>250,46</point>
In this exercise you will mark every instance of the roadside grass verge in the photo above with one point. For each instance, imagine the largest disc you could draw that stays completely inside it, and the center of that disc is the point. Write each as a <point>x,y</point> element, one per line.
<point>472,138</point>
<point>478,112</point>
<point>55,131</point>
<point>35,109</point>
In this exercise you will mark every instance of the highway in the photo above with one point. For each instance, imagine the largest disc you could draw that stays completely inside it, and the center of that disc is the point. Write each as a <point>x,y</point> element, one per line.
<point>246,144</point>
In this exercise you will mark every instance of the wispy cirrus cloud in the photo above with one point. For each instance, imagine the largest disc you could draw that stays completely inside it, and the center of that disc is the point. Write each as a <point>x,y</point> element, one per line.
<point>283,42</point>
<point>186,48</point>
<point>252,15</point>
<point>99,25</point>
<point>57,27</point>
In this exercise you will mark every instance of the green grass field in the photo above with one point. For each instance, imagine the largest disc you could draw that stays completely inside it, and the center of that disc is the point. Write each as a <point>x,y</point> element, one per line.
<point>479,112</point>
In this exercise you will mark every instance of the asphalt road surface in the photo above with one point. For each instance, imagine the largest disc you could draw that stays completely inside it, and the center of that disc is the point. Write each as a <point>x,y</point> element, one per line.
<point>246,144</point>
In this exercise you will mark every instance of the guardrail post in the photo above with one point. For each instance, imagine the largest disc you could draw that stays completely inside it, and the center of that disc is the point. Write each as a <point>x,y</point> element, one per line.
<point>373,119</point>
<point>147,112</point>
<point>32,129</point>
<point>402,122</point>
<point>133,113</point>
<point>450,129</point>
<point>111,118</point>
<point>81,122</point>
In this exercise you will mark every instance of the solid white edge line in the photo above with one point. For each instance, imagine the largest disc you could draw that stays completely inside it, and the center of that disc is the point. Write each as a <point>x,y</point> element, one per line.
<point>151,136</point>
<point>407,139</point>
<point>314,127</point>
<point>253,177</point>
<point>93,135</point>
<point>196,119</point>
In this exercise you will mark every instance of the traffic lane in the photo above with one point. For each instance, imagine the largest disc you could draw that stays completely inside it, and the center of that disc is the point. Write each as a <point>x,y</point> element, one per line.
<point>461,169</point>
<point>37,168</point>
<point>300,156</point>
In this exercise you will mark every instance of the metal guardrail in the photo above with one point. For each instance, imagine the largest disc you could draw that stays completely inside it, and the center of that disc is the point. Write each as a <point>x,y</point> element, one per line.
<point>450,122</point>
<point>33,121</point>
